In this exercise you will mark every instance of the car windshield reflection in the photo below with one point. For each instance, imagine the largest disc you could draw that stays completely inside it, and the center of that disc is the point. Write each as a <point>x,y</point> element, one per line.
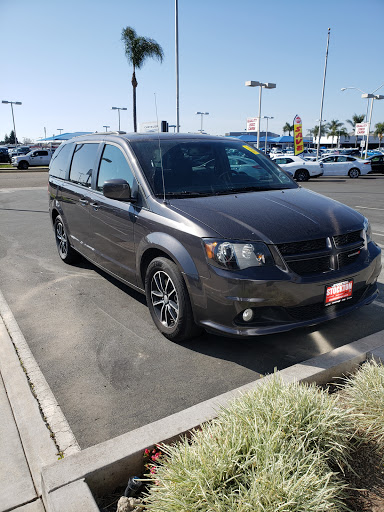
<point>179,168</point>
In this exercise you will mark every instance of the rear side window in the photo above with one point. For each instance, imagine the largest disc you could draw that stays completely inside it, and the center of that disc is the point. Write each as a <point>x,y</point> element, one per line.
<point>350,159</point>
<point>82,163</point>
<point>113,165</point>
<point>60,161</point>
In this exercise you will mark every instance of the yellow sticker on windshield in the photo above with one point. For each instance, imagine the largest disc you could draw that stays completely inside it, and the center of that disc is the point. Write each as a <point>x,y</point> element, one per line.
<point>251,150</point>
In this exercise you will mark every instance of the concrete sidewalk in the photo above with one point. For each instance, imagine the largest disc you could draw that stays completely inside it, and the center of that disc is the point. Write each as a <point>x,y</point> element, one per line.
<point>25,442</point>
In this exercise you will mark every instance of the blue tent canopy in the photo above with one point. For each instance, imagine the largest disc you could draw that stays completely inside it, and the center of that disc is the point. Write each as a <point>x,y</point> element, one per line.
<point>63,136</point>
<point>282,139</point>
<point>248,138</point>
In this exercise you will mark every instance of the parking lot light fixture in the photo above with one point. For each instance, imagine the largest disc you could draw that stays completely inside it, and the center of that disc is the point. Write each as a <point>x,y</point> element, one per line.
<point>13,117</point>
<point>266,133</point>
<point>267,85</point>
<point>202,114</point>
<point>106,126</point>
<point>60,130</point>
<point>118,111</point>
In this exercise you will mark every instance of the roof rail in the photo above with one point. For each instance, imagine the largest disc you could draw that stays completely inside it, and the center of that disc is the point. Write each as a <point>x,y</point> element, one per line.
<point>117,132</point>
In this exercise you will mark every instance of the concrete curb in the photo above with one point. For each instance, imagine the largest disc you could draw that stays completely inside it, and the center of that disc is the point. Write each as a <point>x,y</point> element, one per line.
<point>101,468</point>
<point>50,408</point>
<point>30,169</point>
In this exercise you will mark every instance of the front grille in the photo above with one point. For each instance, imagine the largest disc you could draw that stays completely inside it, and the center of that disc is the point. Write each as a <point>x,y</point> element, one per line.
<point>312,266</point>
<point>304,246</point>
<point>347,238</point>
<point>313,311</point>
<point>347,258</point>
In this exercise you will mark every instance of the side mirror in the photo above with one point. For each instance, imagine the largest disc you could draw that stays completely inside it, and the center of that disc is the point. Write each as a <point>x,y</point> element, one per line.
<point>117,189</point>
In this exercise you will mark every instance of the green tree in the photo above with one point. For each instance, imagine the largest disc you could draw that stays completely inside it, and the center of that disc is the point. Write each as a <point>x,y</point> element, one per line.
<point>10,139</point>
<point>137,50</point>
<point>379,131</point>
<point>288,128</point>
<point>314,132</point>
<point>356,119</point>
<point>335,129</point>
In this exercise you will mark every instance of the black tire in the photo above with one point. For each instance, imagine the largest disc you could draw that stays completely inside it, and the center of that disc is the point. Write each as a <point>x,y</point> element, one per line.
<point>65,250</point>
<point>301,175</point>
<point>354,173</point>
<point>168,301</point>
<point>23,165</point>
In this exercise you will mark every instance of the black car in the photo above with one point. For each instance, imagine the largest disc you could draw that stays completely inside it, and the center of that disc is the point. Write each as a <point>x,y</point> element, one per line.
<point>237,252</point>
<point>377,162</point>
<point>4,155</point>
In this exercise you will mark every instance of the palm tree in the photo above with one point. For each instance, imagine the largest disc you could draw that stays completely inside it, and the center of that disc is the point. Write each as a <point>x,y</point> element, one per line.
<point>379,132</point>
<point>335,128</point>
<point>137,50</point>
<point>356,119</point>
<point>314,132</point>
<point>288,128</point>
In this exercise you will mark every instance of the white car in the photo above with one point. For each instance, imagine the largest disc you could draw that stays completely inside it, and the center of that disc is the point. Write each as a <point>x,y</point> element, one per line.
<point>344,165</point>
<point>301,169</point>
<point>37,157</point>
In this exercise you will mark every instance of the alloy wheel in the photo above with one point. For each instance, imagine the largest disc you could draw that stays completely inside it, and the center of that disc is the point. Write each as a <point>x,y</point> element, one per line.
<point>164,299</point>
<point>61,239</point>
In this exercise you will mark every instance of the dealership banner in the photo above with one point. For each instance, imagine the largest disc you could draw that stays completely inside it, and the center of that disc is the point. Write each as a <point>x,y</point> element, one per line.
<point>298,135</point>
<point>252,124</point>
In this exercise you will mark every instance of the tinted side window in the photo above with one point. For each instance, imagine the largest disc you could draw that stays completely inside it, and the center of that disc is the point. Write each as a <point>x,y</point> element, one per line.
<point>43,153</point>
<point>350,159</point>
<point>82,164</point>
<point>60,161</point>
<point>342,159</point>
<point>113,165</point>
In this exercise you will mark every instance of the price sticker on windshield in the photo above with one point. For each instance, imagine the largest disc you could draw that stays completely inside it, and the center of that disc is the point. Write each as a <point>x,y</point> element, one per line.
<point>338,292</point>
<point>251,150</point>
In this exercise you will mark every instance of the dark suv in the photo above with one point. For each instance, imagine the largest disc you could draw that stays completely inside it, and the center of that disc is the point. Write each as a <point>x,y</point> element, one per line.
<point>237,250</point>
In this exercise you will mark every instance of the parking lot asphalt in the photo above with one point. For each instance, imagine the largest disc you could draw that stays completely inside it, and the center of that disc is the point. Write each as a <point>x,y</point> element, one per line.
<point>93,338</point>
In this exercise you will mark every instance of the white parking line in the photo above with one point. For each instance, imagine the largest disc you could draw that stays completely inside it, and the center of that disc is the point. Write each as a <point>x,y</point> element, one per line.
<point>378,234</point>
<point>368,208</point>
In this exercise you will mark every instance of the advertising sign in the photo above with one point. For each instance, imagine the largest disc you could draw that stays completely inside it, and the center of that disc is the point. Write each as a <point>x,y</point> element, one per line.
<point>298,135</point>
<point>252,124</point>
<point>361,129</point>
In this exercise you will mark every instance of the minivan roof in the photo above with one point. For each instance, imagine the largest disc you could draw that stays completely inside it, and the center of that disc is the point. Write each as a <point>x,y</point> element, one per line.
<point>151,136</point>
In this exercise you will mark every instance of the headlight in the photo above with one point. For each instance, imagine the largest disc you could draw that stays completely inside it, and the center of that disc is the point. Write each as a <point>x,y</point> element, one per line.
<point>237,255</point>
<point>367,230</point>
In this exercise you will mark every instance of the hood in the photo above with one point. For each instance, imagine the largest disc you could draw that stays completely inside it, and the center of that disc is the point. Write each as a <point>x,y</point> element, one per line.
<point>276,216</point>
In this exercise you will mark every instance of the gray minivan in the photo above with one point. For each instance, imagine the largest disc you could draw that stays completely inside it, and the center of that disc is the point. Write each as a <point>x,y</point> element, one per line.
<point>240,251</point>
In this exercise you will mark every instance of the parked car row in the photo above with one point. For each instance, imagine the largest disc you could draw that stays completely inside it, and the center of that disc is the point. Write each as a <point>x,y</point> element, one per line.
<point>330,165</point>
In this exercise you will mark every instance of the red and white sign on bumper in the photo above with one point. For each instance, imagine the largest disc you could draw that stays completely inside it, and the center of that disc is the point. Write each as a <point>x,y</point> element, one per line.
<point>338,292</point>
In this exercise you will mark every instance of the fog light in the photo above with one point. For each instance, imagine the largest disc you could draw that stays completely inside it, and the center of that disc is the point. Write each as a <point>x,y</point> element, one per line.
<point>247,315</point>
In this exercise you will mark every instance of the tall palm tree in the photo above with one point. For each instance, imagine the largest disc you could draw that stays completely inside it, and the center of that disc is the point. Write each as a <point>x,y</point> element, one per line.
<point>314,132</point>
<point>335,128</point>
<point>356,119</point>
<point>137,50</point>
<point>379,132</point>
<point>288,128</point>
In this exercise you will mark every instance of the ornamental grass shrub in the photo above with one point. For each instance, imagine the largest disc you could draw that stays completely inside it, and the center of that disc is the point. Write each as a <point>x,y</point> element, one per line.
<point>278,448</point>
<point>364,394</point>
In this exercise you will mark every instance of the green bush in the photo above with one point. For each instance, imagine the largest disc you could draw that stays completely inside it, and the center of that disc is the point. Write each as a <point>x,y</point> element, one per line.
<point>277,448</point>
<point>364,393</point>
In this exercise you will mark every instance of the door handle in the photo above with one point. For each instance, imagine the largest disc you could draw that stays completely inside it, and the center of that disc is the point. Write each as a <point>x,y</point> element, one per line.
<point>95,206</point>
<point>84,202</point>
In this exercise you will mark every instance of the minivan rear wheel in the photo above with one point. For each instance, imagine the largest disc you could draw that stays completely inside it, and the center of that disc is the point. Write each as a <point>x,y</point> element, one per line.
<point>168,301</point>
<point>66,252</point>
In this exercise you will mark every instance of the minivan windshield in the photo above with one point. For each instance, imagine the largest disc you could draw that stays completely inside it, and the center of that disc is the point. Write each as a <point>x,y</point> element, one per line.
<point>191,168</point>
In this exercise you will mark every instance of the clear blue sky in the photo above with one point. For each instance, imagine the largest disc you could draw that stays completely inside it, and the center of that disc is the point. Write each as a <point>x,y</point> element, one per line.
<point>65,61</point>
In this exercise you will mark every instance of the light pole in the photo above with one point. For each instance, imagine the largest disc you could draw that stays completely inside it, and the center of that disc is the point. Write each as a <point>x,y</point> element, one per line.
<point>322,94</point>
<point>319,132</point>
<point>372,97</point>
<point>60,130</point>
<point>106,127</point>
<point>266,134</point>
<point>268,85</point>
<point>118,111</point>
<point>13,117</point>
<point>202,114</point>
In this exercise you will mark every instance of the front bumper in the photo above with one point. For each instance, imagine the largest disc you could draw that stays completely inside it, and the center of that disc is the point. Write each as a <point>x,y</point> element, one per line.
<point>280,300</point>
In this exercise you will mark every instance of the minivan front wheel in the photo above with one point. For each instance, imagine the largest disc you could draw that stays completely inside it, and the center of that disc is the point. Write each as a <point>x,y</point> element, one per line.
<point>168,301</point>
<point>66,252</point>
